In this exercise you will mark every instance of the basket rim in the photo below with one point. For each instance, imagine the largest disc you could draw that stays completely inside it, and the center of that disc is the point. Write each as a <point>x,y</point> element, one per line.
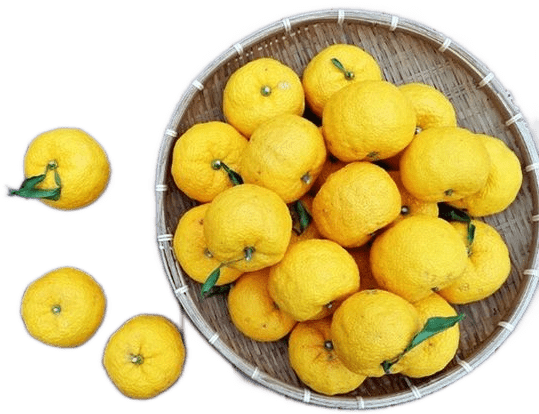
<point>514,119</point>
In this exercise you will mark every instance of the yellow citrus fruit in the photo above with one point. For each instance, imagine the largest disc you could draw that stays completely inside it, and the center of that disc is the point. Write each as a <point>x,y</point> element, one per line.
<point>192,251</point>
<point>253,311</point>
<point>410,205</point>
<point>313,275</point>
<point>433,354</point>
<point>202,156</point>
<point>72,167</point>
<point>369,120</point>
<point>354,202</point>
<point>260,90</point>
<point>444,164</point>
<point>284,154</point>
<point>63,308</point>
<point>488,265</point>
<point>145,356</point>
<point>313,359</point>
<point>503,182</point>
<point>418,255</point>
<point>370,327</point>
<point>432,107</point>
<point>333,68</point>
<point>247,227</point>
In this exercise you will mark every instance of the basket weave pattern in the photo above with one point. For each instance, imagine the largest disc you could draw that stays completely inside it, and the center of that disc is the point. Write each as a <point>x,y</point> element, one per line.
<point>406,51</point>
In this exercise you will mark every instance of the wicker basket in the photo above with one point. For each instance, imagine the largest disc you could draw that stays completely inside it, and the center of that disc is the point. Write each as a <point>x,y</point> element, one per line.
<point>406,51</point>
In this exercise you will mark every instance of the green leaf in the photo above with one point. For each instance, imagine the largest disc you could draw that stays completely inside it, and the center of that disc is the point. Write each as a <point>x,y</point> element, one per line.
<point>301,217</point>
<point>28,187</point>
<point>347,74</point>
<point>432,327</point>
<point>210,282</point>
<point>234,177</point>
<point>451,213</point>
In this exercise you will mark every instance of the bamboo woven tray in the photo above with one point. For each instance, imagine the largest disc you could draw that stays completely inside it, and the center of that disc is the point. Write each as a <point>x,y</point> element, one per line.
<point>406,51</point>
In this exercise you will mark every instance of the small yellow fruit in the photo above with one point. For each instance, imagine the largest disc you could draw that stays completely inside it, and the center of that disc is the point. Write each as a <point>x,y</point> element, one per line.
<point>248,227</point>
<point>503,182</point>
<point>260,90</point>
<point>444,164</point>
<point>431,106</point>
<point>355,202</point>
<point>313,276</point>
<point>192,250</point>
<point>284,154</point>
<point>73,167</point>
<point>315,362</point>
<point>254,312</point>
<point>370,327</point>
<point>433,354</point>
<point>145,356</point>
<point>418,255</point>
<point>333,68</point>
<point>63,308</point>
<point>488,265</point>
<point>369,120</point>
<point>201,157</point>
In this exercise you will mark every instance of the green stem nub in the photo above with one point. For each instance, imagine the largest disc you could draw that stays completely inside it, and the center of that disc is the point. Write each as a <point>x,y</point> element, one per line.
<point>137,359</point>
<point>265,90</point>
<point>348,75</point>
<point>328,345</point>
<point>56,309</point>
<point>248,253</point>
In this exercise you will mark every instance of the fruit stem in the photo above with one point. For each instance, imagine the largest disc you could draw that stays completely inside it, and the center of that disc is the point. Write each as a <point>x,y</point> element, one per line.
<point>265,90</point>
<point>137,359</point>
<point>234,177</point>
<point>56,309</point>
<point>348,75</point>
<point>328,345</point>
<point>213,277</point>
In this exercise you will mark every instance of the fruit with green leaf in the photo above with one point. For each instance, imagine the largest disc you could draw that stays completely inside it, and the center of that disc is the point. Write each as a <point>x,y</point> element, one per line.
<point>65,168</point>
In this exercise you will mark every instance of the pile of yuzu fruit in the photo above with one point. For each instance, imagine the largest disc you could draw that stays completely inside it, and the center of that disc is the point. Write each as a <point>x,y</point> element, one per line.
<point>344,214</point>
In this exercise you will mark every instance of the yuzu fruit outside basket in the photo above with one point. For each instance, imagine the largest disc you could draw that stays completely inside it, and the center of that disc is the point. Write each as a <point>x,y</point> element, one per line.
<point>406,51</point>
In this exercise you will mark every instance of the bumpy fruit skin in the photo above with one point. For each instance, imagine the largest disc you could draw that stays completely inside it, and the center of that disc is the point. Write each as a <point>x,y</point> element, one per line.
<point>243,217</point>
<point>260,90</point>
<point>431,106</point>
<point>370,327</point>
<point>322,78</point>
<point>312,277</point>
<point>192,250</point>
<point>503,182</point>
<point>284,154</point>
<point>253,311</point>
<point>316,363</point>
<point>488,267</point>
<point>63,308</point>
<point>355,202</point>
<point>444,164</point>
<point>432,355</point>
<point>82,165</point>
<point>418,255</point>
<point>145,356</point>
<point>194,156</point>
<point>370,121</point>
